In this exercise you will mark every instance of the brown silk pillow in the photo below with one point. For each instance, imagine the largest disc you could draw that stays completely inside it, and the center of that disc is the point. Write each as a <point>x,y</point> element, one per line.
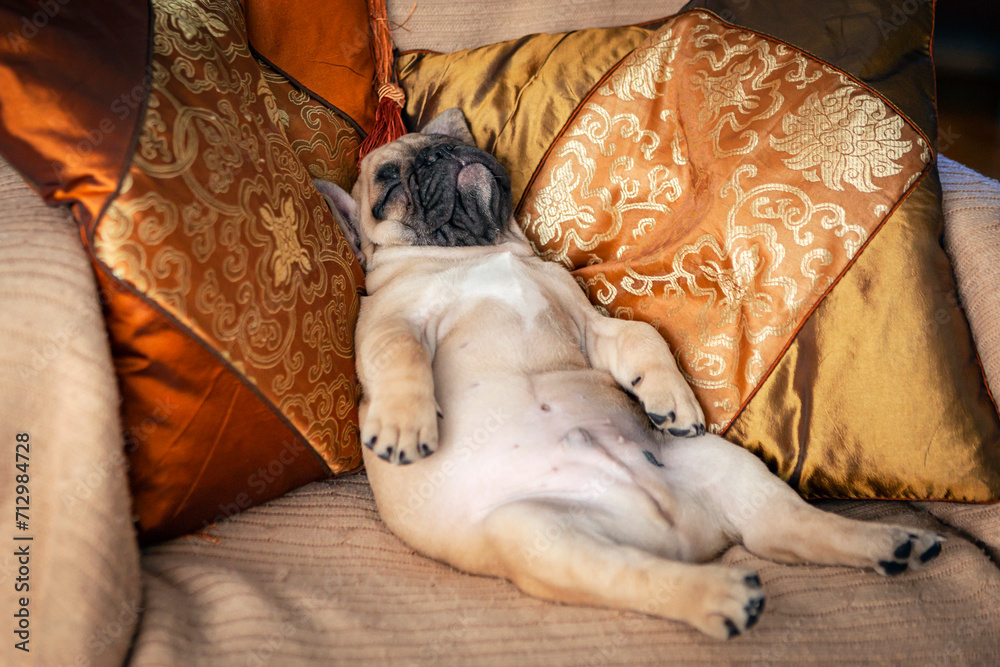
<point>324,46</point>
<point>230,294</point>
<point>774,217</point>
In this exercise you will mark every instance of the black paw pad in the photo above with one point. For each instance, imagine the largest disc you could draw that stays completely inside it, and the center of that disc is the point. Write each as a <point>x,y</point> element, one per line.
<point>903,550</point>
<point>931,553</point>
<point>752,580</point>
<point>371,442</point>
<point>753,610</point>
<point>731,627</point>
<point>403,461</point>
<point>892,568</point>
<point>425,449</point>
<point>659,420</point>
<point>679,432</point>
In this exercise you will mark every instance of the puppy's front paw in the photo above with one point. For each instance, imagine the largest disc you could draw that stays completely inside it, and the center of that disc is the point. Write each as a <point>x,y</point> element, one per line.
<point>669,402</point>
<point>401,428</point>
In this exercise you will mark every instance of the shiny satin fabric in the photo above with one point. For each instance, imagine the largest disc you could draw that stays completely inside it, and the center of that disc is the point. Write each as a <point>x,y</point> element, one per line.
<point>190,164</point>
<point>710,186</point>
<point>519,94</point>
<point>239,294</point>
<point>201,445</point>
<point>72,89</point>
<point>885,44</point>
<point>881,394</point>
<point>832,414</point>
<point>323,46</point>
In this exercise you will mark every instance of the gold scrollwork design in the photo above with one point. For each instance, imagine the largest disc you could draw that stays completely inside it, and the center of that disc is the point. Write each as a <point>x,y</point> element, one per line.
<point>670,208</point>
<point>219,223</point>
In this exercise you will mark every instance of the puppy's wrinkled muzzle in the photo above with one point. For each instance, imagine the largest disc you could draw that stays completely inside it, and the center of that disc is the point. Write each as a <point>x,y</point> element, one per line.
<point>464,195</point>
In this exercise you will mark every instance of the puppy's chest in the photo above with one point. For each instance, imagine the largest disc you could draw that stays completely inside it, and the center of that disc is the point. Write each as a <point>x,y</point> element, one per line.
<point>501,284</point>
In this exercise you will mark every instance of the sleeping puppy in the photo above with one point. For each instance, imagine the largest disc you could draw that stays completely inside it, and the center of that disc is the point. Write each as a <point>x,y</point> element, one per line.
<point>512,430</point>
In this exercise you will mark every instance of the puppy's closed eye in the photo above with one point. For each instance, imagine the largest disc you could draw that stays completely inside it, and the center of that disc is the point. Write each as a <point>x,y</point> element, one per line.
<point>388,177</point>
<point>387,174</point>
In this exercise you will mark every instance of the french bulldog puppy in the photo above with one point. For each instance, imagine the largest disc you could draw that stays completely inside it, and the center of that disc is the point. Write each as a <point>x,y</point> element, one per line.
<point>510,429</point>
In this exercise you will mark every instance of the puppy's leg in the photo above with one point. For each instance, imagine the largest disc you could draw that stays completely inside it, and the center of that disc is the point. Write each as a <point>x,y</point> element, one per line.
<point>641,361</point>
<point>774,522</point>
<point>554,551</point>
<point>398,413</point>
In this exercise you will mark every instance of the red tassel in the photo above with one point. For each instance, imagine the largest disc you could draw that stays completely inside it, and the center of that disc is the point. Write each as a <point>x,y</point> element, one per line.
<point>388,125</point>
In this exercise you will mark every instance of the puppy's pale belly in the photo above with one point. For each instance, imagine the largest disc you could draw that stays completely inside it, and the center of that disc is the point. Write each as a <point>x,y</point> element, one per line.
<point>525,416</point>
<point>515,406</point>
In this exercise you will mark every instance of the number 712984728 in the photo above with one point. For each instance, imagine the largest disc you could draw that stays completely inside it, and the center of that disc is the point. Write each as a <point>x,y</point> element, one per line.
<point>22,499</point>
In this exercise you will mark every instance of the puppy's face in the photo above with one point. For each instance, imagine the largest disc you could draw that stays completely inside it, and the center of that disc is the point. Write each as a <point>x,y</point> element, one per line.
<point>435,188</point>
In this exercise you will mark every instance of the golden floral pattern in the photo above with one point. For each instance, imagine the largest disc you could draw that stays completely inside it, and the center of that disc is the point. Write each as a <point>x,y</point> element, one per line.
<point>701,190</point>
<point>218,222</point>
<point>556,206</point>
<point>850,135</point>
<point>740,87</point>
<point>289,253</point>
<point>644,68</point>
<point>736,282</point>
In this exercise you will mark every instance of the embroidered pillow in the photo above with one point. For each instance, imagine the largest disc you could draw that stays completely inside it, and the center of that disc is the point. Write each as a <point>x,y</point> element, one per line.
<point>776,218</point>
<point>230,294</point>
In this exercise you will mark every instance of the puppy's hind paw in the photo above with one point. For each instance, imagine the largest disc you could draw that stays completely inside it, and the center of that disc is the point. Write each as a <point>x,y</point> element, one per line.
<point>731,604</point>
<point>911,551</point>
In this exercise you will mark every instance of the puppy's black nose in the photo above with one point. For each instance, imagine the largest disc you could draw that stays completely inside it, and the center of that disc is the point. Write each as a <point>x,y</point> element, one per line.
<point>432,154</point>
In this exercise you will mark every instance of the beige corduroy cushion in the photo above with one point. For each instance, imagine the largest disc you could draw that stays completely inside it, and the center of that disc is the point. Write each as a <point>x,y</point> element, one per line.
<point>445,25</point>
<point>315,578</point>
<point>972,239</point>
<point>57,384</point>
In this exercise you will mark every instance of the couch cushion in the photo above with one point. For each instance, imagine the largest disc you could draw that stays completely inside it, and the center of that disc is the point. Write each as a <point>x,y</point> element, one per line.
<point>234,329</point>
<point>446,25</point>
<point>57,386</point>
<point>972,238</point>
<point>316,576</point>
<point>324,46</point>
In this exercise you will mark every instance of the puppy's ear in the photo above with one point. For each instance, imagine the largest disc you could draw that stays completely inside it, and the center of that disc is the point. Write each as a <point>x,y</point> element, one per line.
<point>450,122</point>
<point>345,212</point>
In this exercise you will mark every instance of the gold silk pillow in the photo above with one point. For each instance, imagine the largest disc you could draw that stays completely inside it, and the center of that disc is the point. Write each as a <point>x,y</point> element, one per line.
<point>777,220</point>
<point>230,294</point>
